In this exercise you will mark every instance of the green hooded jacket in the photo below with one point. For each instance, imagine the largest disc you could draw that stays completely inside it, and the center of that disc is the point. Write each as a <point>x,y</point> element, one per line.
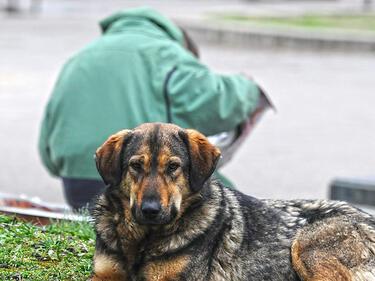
<point>138,71</point>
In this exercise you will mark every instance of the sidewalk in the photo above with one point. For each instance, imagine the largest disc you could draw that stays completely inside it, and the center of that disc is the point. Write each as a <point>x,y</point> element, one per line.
<point>235,33</point>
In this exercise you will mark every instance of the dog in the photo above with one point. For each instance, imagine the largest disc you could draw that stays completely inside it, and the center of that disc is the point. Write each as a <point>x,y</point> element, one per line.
<point>163,217</point>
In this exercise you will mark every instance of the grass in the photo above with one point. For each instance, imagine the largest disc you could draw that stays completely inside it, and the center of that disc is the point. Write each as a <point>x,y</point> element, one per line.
<point>60,251</point>
<point>344,22</point>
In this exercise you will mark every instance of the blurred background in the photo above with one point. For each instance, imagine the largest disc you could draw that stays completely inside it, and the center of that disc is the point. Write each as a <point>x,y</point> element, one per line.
<point>315,59</point>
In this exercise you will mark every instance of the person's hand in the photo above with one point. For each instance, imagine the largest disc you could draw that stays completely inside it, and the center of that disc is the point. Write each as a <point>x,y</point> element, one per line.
<point>247,76</point>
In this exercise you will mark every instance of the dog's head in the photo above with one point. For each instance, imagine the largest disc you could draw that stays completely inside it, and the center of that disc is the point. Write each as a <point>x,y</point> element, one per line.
<point>156,166</point>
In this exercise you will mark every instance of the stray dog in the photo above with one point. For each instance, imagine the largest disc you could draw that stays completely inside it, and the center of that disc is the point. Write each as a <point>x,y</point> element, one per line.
<point>163,218</point>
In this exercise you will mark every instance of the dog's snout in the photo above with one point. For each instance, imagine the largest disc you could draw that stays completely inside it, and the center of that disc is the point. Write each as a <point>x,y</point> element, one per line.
<point>150,209</point>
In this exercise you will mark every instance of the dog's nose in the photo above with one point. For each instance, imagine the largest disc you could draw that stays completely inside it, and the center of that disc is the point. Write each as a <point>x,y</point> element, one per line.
<point>150,209</point>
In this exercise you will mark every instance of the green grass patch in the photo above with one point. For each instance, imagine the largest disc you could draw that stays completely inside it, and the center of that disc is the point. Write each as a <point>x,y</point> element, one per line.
<point>62,250</point>
<point>345,22</point>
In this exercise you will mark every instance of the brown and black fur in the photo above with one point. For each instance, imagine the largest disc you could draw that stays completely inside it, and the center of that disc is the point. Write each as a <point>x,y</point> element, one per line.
<point>163,218</point>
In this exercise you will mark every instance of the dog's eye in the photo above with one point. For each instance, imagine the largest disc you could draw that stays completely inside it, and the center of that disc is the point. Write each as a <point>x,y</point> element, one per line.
<point>136,166</point>
<point>173,166</point>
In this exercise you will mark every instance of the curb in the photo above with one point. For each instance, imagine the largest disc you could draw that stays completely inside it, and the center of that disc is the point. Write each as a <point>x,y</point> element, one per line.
<point>250,37</point>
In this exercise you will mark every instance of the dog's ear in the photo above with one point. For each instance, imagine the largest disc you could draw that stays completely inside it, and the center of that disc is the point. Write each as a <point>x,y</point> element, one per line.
<point>203,158</point>
<point>108,158</point>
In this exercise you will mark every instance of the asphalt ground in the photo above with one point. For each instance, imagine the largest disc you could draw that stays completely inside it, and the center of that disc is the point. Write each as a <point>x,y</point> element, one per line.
<point>324,126</point>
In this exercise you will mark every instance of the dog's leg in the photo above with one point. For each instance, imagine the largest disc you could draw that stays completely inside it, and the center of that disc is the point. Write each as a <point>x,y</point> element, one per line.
<point>106,269</point>
<point>335,249</point>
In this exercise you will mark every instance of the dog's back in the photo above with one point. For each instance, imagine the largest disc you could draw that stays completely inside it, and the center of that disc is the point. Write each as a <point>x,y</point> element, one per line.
<point>319,239</point>
<point>329,240</point>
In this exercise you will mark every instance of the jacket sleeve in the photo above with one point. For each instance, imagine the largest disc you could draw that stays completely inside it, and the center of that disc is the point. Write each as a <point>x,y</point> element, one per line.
<point>43,146</point>
<point>201,99</point>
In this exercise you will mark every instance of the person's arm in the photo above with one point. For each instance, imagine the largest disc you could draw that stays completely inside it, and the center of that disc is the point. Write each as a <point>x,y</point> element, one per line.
<point>201,99</point>
<point>44,150</point>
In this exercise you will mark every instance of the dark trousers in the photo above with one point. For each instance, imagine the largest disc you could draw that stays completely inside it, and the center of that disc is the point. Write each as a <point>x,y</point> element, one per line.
<point>81,192</point>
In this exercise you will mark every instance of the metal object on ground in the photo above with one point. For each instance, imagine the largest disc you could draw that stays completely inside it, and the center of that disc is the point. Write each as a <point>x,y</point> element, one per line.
<point>35,211</point>
<point>355,191</point>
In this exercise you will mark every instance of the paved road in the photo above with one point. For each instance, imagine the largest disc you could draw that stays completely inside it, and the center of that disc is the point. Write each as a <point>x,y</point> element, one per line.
<point>324,127</point>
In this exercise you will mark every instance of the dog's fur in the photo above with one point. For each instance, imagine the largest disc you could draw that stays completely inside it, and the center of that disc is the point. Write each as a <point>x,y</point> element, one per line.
<point>163,218</point>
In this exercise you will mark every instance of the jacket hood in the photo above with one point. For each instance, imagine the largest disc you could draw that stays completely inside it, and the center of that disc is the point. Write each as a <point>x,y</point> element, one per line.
<point>148,14</point>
